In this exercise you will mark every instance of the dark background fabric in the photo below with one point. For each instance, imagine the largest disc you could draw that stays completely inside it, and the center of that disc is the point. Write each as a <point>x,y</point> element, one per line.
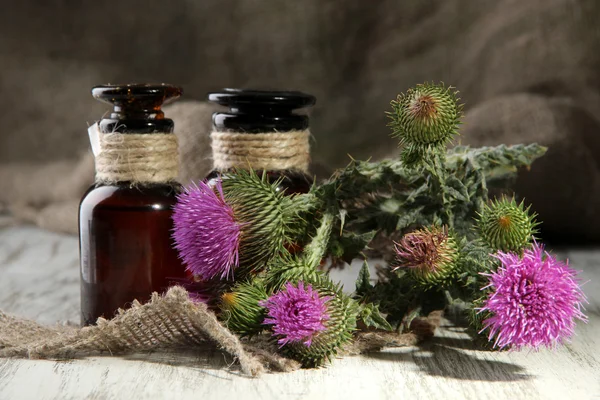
<point>527,71</point>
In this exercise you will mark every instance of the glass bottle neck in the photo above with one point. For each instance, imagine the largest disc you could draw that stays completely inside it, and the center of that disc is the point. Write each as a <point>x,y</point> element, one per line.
<point>110,125</point>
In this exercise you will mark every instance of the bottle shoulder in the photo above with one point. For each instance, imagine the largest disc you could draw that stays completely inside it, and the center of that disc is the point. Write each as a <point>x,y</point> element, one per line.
<point>154,196</point>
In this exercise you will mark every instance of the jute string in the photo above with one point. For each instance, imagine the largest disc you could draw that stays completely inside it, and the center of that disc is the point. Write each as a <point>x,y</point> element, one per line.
<point>266,151</point>
<point>174,321</point>
<point>137,158</point>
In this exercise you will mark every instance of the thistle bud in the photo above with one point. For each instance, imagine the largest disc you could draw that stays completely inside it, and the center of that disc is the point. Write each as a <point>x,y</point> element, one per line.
<point>429,254</point>
<point>240,309</point>
<point>265,217</point>
<point>428,114</point>
<point>506,226</point>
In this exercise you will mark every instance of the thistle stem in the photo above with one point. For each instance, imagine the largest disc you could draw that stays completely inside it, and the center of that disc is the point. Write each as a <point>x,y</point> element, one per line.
<point>316,249</point>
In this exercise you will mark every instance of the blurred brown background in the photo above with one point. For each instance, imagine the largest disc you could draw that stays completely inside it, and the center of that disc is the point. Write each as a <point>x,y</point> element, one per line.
<point>527,71</point>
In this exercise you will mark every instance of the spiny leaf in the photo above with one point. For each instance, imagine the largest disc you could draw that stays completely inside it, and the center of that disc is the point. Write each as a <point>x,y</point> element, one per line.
<point>370,315</point>
<point>363,282</point>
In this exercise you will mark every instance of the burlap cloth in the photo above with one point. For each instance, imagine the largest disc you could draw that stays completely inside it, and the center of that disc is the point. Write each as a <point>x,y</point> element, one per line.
<point>174,321</point>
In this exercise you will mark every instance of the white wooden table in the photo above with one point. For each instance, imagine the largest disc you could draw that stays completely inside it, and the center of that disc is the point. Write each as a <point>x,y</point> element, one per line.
<point>39,279</point>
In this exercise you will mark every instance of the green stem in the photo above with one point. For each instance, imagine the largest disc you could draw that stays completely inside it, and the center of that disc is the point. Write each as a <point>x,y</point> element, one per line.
<point>315,251</point>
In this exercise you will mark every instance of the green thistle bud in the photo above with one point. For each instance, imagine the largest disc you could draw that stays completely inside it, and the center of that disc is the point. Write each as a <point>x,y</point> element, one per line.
<point>430,255</point>
<point>240,309</point>
<point>428,114</point>
<point>264,214</point>
<point>506,226</point>
<point>312,322</point>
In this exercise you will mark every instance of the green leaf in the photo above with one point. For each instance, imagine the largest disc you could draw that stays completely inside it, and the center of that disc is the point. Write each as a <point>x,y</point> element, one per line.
<point>350,245</point>
<point>371,316</point>
<point>409,218</point>
<point>363,282</point>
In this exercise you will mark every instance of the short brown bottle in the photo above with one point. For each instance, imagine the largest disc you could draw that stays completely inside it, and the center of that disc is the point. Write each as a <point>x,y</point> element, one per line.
<point>125,227</point>
<point>260,111</point>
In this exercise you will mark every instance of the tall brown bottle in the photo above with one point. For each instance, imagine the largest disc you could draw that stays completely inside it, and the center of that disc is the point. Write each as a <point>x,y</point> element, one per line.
<point>126,250</point>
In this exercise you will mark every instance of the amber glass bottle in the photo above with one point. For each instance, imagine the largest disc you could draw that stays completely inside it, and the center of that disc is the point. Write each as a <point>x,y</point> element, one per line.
<point>258,111</point>
<point>126,250</point>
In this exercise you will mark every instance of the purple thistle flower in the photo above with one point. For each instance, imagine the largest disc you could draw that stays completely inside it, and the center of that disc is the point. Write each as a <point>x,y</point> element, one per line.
<point>296,313</point>
<point>535,301</point>
<point>206,233</point>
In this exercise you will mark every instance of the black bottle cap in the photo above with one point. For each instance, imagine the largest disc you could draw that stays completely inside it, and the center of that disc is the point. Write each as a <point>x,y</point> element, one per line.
<point>137,107</point>
<point>254,111</point>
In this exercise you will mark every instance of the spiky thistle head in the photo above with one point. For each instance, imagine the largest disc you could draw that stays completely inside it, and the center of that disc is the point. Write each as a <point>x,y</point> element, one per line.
<point>297,314</point>
<point>534,300</point>
<point>311,321</point>
<point>207,233</point>
<point>265,214</point>
<point>240,309</point>
<point>237,225</point>
<point>426,115</point>
<point>430,254</point>
<point>505,225</point>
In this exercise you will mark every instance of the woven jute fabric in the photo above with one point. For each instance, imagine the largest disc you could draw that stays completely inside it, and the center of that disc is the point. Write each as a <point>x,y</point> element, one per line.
<point>137,158</point>
<point>168,321</point>
<point>262,151</point>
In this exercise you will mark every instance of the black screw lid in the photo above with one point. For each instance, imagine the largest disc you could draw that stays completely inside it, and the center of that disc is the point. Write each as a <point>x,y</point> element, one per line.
<point>254,111</point>
<point>137,107</point>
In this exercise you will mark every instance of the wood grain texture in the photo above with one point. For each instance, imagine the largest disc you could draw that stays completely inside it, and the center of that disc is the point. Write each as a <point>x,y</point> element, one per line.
<point>39,279</point>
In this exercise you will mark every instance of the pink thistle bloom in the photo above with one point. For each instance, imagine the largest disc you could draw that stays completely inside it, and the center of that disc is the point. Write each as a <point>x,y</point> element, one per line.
<point>535,300</point>
<point>296,313</point>
<point>206,233</point>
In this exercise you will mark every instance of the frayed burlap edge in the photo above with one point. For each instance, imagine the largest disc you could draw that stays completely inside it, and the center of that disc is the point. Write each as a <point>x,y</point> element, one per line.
<point>172,321</point>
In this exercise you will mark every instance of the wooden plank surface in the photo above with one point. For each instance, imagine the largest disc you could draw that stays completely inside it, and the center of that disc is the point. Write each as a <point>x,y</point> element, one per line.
<point>39,279</point>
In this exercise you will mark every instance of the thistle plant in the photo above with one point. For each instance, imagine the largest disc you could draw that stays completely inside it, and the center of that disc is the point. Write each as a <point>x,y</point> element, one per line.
<point>311,322</point>
<point>425,119</point>
<point>237,226</point>
<point>430,255</point>
<point>505,225</point>
<point>453,248</point>
<point>534,300</point>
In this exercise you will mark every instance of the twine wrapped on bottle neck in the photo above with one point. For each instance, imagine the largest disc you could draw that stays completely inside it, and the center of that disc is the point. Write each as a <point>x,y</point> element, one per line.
<point>262,151</point>
<point>137,158</point>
